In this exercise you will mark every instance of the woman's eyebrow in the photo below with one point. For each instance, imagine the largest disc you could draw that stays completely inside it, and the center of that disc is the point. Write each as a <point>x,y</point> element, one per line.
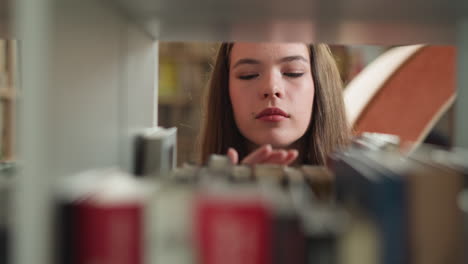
<point>246,61</point>
<point>293,58</point>
<point>282,60</point>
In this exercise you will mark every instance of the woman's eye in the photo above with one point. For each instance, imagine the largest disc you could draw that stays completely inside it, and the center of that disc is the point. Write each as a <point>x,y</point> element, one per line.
<point>248,76</point>
<point>294,74</point>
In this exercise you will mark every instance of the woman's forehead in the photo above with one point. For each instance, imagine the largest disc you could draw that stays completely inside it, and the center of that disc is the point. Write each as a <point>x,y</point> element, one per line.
<point>268,50</point>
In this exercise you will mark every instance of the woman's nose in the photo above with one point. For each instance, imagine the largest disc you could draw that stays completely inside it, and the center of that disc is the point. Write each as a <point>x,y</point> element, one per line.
<point>275,94</point>
<point>271,88</point>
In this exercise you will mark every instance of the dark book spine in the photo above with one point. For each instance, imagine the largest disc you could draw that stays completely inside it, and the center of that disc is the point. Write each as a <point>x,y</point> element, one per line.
<point>139,149</point>
<point>4,245</point>
<point>382,194</point>
<point>322,250</point>
<point>65,232</point>
<point>289,240</point>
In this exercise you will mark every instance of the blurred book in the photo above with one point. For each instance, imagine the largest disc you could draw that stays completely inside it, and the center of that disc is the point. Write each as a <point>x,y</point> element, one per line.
<point>100,218</point>
<point>155,152</point>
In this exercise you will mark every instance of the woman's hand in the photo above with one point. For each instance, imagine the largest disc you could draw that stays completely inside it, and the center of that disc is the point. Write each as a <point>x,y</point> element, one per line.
<point>265,155</point>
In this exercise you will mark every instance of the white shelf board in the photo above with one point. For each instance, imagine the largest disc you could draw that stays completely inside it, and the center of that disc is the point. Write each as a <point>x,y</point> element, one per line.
<point>330,21</point>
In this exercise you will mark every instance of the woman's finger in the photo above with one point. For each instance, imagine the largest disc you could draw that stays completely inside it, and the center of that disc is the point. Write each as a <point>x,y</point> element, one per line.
<point>233,155</point>
<point>291,157</point>
<point>276,157</point>
<point>258,155</point>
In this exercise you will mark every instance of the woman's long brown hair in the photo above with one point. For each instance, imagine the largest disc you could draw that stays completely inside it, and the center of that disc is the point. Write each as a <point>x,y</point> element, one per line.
<point>328,129</point>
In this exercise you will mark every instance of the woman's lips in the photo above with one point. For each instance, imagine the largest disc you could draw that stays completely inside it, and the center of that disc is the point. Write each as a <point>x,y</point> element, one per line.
<point>272,114</point>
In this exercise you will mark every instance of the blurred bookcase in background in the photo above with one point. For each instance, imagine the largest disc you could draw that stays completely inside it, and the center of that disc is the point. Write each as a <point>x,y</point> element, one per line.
<point>183,74</point>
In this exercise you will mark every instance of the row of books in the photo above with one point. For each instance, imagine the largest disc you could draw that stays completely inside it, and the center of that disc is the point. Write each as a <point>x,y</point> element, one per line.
<point>371,205</point>
<point>411,205</point>
<point>213,214</point>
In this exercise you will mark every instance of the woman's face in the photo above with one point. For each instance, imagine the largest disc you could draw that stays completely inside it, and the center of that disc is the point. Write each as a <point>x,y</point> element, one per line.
<point>272,91</point>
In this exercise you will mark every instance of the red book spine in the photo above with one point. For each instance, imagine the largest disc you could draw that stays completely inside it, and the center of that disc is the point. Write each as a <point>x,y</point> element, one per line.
<point>109,234</point>
<point>232,231</point>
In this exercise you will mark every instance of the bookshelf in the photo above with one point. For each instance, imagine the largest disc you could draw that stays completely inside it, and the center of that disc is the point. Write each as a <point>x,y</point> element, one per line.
<point>89,70</point>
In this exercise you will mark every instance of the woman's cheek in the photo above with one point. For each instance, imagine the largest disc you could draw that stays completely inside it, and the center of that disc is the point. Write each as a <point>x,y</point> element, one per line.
<point>240,92</point>
<point>238,101</point>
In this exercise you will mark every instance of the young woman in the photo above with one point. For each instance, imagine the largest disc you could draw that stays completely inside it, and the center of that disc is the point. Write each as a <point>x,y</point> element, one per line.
<point>277,103</point>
